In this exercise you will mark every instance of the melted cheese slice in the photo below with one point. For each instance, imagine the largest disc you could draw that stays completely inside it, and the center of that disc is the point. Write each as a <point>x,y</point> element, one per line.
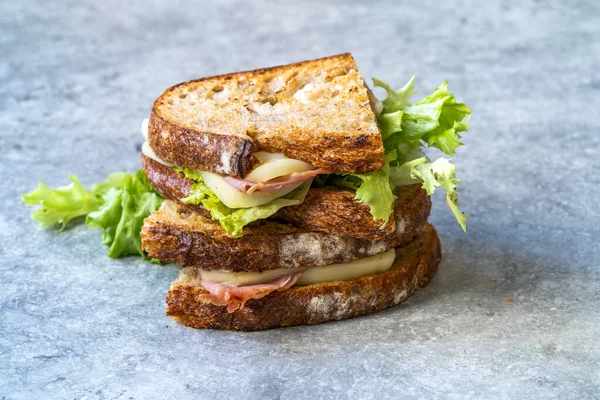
<point>272,165</point>
<point>329,273</point>
<point>275,165</point>
<point>350,271</point>
<point>233,198</point>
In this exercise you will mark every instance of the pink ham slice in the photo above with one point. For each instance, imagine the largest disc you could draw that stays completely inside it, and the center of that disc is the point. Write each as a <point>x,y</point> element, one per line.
<point>274,184</point>
<point>235,297</point>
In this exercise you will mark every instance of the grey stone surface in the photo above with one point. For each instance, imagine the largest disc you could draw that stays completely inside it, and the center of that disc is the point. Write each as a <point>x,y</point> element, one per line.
<point>76,79</point>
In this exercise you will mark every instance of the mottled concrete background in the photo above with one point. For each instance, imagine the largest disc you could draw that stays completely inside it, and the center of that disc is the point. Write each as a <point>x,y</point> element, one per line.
<point>76,79</point>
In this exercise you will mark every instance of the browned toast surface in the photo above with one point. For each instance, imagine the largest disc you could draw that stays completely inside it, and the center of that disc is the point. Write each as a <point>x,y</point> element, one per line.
<point>318,111</point>
<point>335,211</point>
<point>415,265</point>
<point>175,233</point>
<point>327,210</point>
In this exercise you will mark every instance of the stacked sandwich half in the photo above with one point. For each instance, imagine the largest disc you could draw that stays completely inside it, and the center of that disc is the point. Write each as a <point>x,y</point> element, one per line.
<point>290,198</point>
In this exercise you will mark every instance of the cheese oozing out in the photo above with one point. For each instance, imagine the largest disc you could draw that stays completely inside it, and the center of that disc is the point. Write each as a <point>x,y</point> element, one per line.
<point>271,166</point>
<point>335,272</point>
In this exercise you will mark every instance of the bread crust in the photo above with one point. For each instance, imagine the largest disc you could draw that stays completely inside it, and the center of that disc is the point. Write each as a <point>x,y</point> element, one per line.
<point>335,211</point>
<point>359,149</point>
<point>329,210</point>
<point>170,184</point>
<point>200,150</point>
<point>415,265</point>
<point>175,233</point>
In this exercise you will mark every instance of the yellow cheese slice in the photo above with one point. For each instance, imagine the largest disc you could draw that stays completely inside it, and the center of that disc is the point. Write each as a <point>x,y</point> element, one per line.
<point>275,165</point>
<point>329,273</point>
<point>233,198</point>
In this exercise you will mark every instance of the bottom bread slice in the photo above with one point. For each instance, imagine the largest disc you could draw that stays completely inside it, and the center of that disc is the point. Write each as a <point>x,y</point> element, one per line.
<point>414,267</point>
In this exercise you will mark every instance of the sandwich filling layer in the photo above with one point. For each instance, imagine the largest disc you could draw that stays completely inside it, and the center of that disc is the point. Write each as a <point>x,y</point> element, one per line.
<point>275,176</point>
<point>234,289</point>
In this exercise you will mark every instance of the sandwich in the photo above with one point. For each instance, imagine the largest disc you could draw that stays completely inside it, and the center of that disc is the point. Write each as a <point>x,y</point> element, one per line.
<point>289,195</point>
<point>282,206</point>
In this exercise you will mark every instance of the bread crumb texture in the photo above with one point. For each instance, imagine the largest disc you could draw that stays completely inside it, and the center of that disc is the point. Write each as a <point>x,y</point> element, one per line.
<point>319,111</point>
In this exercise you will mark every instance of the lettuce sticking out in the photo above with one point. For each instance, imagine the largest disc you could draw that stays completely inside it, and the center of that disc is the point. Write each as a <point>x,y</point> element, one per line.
<point>431,175</point>
<point>127,199</point>
<point>372,188</point>
<point>435,121</point>
<point>117,206</point>
<point>61,205</point>
<point>396,99</point>
<point>233,220</point>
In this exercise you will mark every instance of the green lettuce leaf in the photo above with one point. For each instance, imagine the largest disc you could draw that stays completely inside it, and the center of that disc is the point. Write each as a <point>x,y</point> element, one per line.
<point>402,175</point>
<point>432,175</point>
<point>396,99</point>
<point>372,188</point>
<point>117,206</point>
<point>376,191</point>
<point>233,220</point>
<point>438,120</point>
<point>127,200</point>
<point>61,205</point>
<point>434,121</point>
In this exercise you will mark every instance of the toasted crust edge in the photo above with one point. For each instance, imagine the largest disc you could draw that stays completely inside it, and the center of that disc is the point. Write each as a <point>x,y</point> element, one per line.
<point>200,150</point>
<point>203,150</point>
<point>415,266</point>
<point>169,184</point>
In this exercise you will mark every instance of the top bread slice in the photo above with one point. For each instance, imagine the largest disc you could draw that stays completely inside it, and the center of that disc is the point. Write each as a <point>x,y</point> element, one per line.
<point>319,111</point>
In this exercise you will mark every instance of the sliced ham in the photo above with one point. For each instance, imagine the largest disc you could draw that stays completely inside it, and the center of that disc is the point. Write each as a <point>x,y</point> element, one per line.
<point>235,297</point>
<point>283,182</point>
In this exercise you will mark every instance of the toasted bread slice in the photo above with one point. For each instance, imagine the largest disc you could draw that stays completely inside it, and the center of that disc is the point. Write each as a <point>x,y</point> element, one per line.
<point>415,265</point>
<point>175,233</point>
<point>329,210</point>
<point>319,111</point>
